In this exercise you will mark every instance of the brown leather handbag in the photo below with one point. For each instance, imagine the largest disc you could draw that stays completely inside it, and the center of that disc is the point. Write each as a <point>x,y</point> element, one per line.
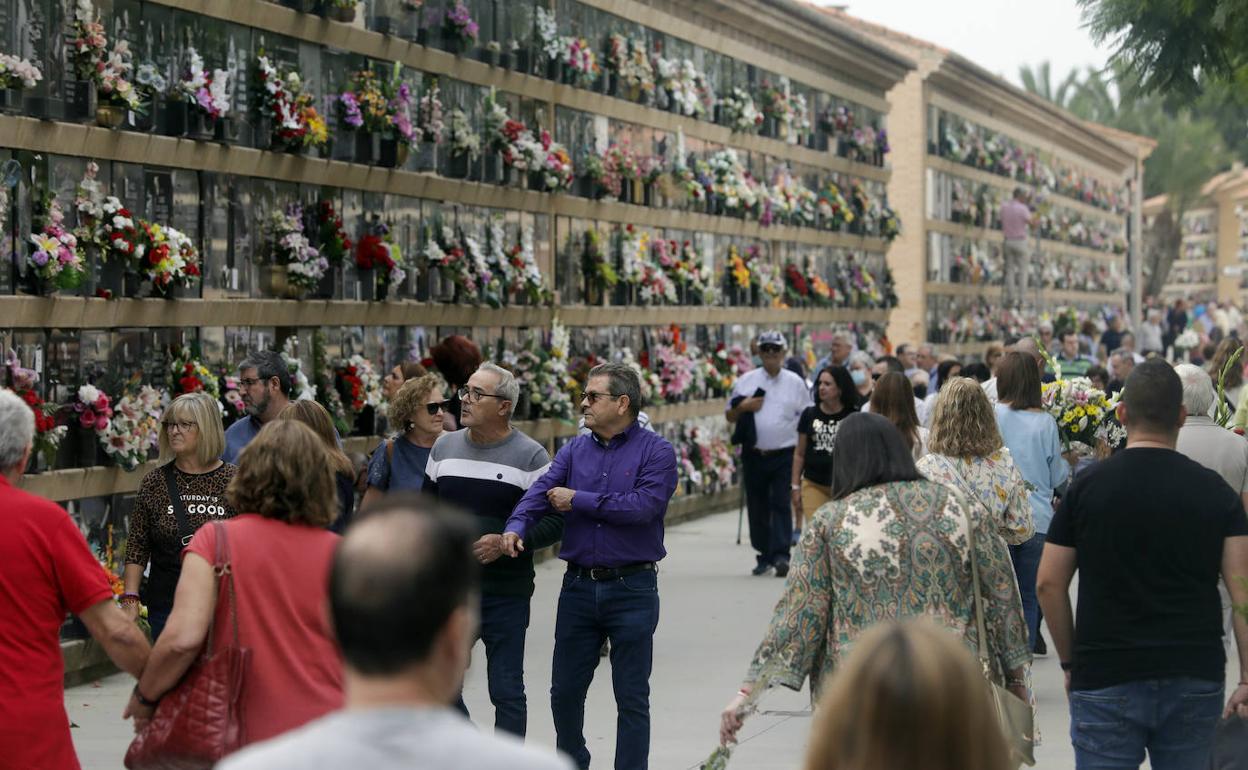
<point>200,720</point>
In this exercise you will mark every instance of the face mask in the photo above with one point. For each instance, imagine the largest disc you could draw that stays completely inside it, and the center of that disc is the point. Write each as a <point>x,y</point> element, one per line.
<point>920,392</point>
<point>858,376</point>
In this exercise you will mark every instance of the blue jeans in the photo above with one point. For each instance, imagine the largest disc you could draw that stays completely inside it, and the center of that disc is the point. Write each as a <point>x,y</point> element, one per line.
<point>504,622</point>
<point>157,618</point>
<point>1173,719</point>
<point>768,504</point>
<point>626,611</point>
<point>1026,558</point>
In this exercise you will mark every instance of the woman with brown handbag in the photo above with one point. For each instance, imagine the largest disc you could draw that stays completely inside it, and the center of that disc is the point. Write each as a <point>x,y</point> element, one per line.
<point>278,559</point>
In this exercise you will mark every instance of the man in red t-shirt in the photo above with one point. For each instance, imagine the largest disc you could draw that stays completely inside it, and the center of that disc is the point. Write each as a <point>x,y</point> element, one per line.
<point>48,571</point>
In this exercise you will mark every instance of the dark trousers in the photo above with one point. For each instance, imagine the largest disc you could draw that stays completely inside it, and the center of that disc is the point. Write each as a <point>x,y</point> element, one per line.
<point>504,622</point>
<point>1026,558</point>
<point>767,500</point>
<point>626,611</point>
<point>157,618</point>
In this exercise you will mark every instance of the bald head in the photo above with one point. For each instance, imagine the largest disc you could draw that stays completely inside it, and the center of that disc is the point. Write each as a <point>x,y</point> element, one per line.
<point>397,577</point>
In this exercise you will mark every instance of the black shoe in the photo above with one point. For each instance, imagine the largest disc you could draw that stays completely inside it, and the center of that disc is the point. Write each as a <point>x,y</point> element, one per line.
<point>782,569</point>
<point>761,569</point>
<point>1041,648</point>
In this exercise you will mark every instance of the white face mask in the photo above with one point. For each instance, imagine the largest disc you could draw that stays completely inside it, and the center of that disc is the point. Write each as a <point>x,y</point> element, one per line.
<point>858,376</point>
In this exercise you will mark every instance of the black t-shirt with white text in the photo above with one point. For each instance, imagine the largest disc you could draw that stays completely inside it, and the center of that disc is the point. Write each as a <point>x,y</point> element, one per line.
<point>1148,527</point>
<point>820,430</point>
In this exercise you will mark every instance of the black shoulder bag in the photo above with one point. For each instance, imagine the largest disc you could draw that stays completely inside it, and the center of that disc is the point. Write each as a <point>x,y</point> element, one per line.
<point>185,532</point>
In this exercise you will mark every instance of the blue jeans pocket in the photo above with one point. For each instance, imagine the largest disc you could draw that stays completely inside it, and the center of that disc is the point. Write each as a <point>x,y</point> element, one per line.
<point>1098,722</point>
<point>1201,709</point>
<point>644,582</point>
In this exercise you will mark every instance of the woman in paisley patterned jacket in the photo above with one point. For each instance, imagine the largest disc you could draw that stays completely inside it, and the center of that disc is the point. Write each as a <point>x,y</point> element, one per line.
<point>890,545</point>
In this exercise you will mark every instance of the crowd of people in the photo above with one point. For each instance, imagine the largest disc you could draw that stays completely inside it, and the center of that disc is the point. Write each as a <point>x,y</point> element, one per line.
<point>933,513</point>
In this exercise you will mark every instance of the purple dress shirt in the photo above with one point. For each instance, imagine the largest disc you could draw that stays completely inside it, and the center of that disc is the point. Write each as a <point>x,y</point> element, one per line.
<point>622,489</point>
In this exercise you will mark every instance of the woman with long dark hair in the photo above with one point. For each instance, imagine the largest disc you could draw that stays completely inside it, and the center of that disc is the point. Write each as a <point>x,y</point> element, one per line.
<point>893,399</point>
<point>836,398</point>
<point>890,545</point>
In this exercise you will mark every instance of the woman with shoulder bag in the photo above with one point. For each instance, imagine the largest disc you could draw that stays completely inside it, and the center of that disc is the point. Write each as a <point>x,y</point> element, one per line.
<point>174,501</point>
<point>399,462</point>
<point>858,567</point>
<point>279,554</point>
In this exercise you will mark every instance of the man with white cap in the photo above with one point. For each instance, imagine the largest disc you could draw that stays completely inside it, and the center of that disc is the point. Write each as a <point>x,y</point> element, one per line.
<point>775,397</point>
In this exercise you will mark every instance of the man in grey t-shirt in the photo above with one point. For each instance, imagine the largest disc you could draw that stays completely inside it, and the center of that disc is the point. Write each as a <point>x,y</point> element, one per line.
<point>403,593</point>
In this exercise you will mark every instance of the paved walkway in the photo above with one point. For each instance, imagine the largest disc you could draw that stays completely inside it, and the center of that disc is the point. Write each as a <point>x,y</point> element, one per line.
<point>713,615</point>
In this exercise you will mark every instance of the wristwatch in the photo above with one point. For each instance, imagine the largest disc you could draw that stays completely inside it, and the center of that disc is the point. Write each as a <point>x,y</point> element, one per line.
<point>795,487</point>
<point>151,704</point>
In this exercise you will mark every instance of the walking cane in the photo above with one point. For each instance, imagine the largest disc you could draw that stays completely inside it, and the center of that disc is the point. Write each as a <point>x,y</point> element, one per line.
<point>741,512</point>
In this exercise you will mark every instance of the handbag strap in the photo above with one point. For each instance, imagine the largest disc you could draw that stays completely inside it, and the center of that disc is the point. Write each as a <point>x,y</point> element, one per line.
<point>223,569</point>
<point>979,598</point>
<point>185,532</point>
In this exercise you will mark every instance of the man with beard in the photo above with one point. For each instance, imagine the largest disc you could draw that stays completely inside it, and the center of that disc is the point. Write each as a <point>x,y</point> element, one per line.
<point>612,487</point>
<point>264,383</point>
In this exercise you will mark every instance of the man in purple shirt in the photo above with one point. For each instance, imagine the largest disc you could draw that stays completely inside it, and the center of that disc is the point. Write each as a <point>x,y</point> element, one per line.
<point>1015,219</point>
<point>612,486</point>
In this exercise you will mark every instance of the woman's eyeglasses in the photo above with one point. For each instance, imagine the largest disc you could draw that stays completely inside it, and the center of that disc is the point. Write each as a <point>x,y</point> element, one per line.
<point>434,408</point>
<point>182,427</point>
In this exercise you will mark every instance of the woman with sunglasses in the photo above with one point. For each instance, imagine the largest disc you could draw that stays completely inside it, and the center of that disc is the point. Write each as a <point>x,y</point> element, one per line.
<point>191,441</point>
<point>399,462</point>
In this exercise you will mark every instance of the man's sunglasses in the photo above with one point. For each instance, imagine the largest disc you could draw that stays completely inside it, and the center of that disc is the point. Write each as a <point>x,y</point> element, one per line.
<point>769,348</point>
<point>439,406</point>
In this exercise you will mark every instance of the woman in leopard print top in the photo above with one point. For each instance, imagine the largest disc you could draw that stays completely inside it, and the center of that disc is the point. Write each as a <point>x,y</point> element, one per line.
<point>192,436</point>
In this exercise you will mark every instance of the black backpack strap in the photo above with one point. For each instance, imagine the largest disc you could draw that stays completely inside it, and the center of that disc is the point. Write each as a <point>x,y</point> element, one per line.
<point>185,532</point>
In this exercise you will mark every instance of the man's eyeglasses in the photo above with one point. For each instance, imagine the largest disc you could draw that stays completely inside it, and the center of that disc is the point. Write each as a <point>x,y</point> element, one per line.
<point>247,382</point>
<point>183,427</point>
<point>472,395</point>
<point>876,375</point>
<point>592,396</point>
<point>769,348</point>
<point>434,408</point>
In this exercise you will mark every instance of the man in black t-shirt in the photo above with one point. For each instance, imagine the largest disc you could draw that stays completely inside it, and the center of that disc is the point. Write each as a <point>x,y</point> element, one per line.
<point>1149,531</point>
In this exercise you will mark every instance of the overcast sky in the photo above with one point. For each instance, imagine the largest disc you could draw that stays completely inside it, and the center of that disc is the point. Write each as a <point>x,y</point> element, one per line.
<point>999,35</point>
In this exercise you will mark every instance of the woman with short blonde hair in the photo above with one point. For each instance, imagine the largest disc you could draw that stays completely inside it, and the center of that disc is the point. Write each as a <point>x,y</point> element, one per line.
<point>279,554</point>
<point>316,417</point>
<point>909,695</point>
<point>417,415</point>
<point>191,440</point>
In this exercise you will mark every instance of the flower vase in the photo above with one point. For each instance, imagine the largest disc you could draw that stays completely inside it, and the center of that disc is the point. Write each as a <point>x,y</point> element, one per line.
<point>488,55</point>
<point>80,448</point>
<point>756,295</point>
<point>189,122</point>
<point>227,131</point>
<point>367,148</point>
<point>626,190</point>
<point>524,60</point>
<point>386,25</point>
<point>554,70</point>
<point>110,116</point>
<point>422,36</point>
<point>330,285</point>
<point>647,194</point>
<point>457,166</point>
<point>392,153</point>
<point>366,285</point>
<point>770,128</point>
<point>492,168</point>
<point>453,45</point>
<point>441,286</point>
<point>275,282</point>
<point>955,273</point>
<point>427,156</point>
<point>593,292</point>
<point>821,141</point>
<point>302,6</point>
<point>83,101</point>
<point>610,84</point>
<point>117,280</point>
<point>336,13</point>
<point>10,100</point>
<point>537,181</point>
<point>504,60</point>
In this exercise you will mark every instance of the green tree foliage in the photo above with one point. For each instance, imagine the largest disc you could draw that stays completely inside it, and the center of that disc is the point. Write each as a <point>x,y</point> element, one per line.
<point>1173,44</point>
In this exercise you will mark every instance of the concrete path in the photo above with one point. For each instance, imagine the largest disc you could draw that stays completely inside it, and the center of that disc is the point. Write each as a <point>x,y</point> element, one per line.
<point>713,615</point>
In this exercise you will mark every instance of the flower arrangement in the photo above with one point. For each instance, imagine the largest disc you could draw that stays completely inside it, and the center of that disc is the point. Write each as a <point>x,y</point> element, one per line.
<point>429,113</point>
<point>170,257</point>
<point>675,371</point>
<point>300,388</point>
<point>1187,340</point>
<point>581,61</point>
<point>554,166</point>
<point>296,122</point>
<point>90,409</point>
<point>378,250</point>
<point>1079,408</point>
<point>739,191</point>
<point>332,240</point>
<point>54,259</point>
<point>459,26</point>
<point>384,107</point>
<point>797,288</point>
<point>209,92</point>
<point>285,243</point>
<point>109,70</point>
<point>48,435</point>
<point>463,140</point>
<point>541,366</point>
<point>599,273</point>
<point>739,113</point>
<point>527,278</point>
<point>629,60</point>
<point>546,35</point>
<point>739,268</point>
<point>134,428</point>
<point>232,405</point>
<point>359,385</point>
<point>120,232</point>
<point>16,73</point>
<point>190,375</point>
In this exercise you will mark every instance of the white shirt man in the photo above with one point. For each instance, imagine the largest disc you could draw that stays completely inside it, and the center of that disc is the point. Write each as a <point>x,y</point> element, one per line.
<point>775,424</point>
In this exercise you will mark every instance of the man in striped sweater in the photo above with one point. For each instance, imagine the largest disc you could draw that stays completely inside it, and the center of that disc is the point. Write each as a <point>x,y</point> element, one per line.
<point>485,468</point>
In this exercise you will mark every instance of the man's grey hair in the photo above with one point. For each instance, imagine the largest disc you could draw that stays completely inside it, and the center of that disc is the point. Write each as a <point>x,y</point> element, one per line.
<point>17,429</point>
<point>269,365</point>
<point>1197,389</point>
<point>622,381</point>
<point>1045,326</point>
<point>508,388</point>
